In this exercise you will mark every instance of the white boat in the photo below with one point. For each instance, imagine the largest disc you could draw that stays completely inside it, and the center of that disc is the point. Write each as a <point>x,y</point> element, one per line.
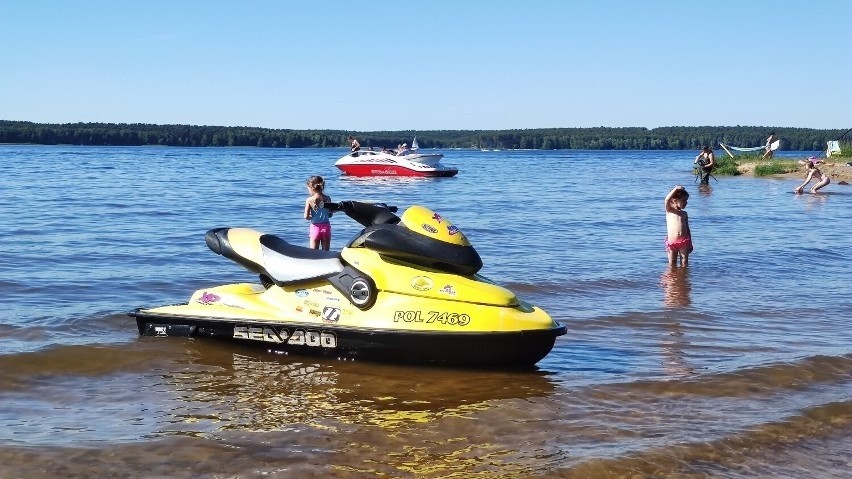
<point>386,163</point>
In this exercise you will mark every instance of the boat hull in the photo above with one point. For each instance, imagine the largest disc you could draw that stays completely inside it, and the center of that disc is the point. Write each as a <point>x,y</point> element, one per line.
<point>376,163</point>
<point>511,349</point>
<point>368,169</point>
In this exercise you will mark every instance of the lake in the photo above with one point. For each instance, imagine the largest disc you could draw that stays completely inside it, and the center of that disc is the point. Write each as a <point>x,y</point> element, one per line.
<point>738,366</point>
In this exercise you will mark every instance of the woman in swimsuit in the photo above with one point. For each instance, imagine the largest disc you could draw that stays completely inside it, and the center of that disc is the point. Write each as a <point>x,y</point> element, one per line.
<point>706,161</point>
<point>813,174</point>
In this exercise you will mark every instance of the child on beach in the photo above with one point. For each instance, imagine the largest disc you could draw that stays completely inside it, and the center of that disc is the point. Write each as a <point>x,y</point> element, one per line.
<point>813,173</point>
<point>679,238</point>
<point>318,214</point>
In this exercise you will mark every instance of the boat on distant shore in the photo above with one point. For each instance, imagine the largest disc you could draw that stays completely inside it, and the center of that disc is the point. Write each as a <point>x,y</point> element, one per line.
<point>406,162</point>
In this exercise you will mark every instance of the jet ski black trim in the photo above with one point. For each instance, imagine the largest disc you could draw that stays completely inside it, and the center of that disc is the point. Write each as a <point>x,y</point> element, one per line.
<point>515,349</point>
<point>408,246</point>
<point>217,241</point>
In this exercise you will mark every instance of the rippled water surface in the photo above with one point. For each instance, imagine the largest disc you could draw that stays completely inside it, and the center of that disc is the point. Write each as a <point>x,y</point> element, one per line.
<point>738,366</point>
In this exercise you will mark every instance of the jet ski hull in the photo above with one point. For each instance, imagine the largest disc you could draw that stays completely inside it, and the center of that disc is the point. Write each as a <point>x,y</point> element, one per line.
<point>513,349</point>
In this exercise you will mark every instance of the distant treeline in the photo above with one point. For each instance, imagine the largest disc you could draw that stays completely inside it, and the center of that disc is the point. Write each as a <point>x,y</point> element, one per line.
<point>602,138</point>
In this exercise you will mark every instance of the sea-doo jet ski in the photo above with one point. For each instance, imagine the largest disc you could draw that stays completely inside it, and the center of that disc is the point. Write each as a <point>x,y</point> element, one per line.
<point>404,289</point>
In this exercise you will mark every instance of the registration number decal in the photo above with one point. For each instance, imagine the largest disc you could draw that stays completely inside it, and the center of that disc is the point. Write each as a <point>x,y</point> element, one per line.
<point>460,319</point>
<point>299,337</point>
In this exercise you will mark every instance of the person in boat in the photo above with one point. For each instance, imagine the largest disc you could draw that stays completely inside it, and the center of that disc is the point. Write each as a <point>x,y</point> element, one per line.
<point>814,173</point>
<point>705,161</point>
<point>354,145</point>
<point>319,234</point>
<point>403,150</point>
<point>679,237</point>
<point>769,151</point>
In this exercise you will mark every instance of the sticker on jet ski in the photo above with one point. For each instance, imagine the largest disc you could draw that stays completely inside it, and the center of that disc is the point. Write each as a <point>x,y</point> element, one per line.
<point>207,298</point>
<point>299,337</point>
<point>331,315</point>
<point>422,283</point>
<point>431,317</point>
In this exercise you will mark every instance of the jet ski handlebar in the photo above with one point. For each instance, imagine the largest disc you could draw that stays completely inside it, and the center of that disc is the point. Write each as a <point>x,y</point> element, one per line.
<point>367,214</point>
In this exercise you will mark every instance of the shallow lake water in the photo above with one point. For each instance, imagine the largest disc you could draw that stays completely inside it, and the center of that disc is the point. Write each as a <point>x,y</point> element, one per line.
<point>738,366</point>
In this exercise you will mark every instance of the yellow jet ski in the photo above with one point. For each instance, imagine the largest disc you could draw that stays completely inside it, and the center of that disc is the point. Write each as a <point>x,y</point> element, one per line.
<point>405,289</point>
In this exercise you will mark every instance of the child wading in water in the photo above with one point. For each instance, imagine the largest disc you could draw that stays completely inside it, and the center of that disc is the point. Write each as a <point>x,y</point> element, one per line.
<point>679,238</point>
<point>318,214</point>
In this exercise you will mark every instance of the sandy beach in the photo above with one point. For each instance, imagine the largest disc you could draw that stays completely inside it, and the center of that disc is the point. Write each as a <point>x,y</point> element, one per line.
<point>837,170</point>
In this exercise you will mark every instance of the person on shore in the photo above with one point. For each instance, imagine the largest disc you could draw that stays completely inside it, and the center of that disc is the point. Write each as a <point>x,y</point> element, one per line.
<point>815,159</point>
<point>769,151</point>
<point>706,161</point>
<point>679,238</point>
<point>354,145</point>
<point>814,173</point>
<point>319,234</point>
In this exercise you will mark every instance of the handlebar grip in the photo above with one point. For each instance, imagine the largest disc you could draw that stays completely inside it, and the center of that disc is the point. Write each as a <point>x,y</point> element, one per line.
<point>350,205</point>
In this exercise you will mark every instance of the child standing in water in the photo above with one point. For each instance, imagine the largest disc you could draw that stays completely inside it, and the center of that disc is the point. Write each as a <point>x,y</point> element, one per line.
<point>814,173</point>
<point>679,238</point>
<point>318,214</point>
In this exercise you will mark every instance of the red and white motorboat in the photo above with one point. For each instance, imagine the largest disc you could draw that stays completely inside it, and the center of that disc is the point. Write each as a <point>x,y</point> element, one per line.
<point>383,163</point>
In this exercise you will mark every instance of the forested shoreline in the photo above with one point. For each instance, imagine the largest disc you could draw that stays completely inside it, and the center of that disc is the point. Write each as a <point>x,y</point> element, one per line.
<point>600,138</point>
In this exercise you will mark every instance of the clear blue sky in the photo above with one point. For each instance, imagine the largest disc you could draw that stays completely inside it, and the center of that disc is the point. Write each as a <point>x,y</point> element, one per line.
<point>428,65</point>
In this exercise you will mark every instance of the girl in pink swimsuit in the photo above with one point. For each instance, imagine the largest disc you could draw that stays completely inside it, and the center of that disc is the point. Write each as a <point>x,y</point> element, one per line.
<point>679,238</point>
<point>318,214</point>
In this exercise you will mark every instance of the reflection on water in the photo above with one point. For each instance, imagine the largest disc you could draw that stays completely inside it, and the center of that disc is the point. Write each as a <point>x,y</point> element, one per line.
<point>815,200</point>
<point>705,190</point>
<point>676,295</point>
<point>391,421</point>
<point>390,182</point>
<point>261,391</point>
<point>676,287</point>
